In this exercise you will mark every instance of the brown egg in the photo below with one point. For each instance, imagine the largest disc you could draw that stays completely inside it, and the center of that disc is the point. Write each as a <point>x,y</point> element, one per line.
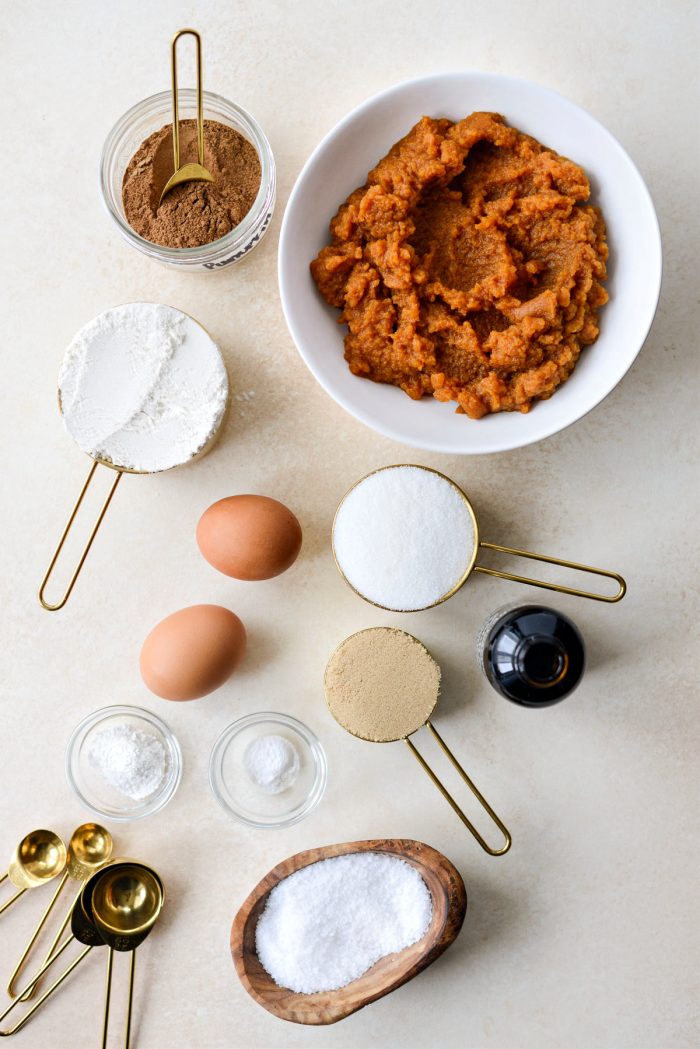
<point>249,536</point>
<point>192,652</point>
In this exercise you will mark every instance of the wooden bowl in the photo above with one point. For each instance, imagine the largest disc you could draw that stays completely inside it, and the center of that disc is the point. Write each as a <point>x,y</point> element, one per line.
<point>326,1007</point>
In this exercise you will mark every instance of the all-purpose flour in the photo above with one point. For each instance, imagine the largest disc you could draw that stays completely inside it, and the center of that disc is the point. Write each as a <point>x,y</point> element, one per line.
<point>132,761</point>
<point>143,386</point>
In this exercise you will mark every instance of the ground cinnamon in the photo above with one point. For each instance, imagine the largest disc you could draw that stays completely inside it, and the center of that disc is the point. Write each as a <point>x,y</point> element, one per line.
<point>193,213</point>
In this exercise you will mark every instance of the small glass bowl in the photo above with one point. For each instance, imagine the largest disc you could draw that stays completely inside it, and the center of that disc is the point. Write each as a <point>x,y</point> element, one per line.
<point>152,114</point>
<point>90,786</point>
<point>239,796</point>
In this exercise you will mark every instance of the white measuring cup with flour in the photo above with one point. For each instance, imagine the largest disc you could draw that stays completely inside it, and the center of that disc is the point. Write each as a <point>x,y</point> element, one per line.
<point>143,388</point>
<point>406,538</point>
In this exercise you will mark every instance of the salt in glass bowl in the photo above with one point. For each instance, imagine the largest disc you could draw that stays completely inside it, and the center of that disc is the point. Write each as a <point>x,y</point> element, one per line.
<point>90,786</point>
<point>238,794</point>
<point>152,114</point>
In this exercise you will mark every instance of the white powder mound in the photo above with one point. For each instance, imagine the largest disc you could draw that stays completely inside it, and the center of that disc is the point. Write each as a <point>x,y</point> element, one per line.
<point>143,386</point>
<point>403,537</point>
<point>132,761</point>
<point>328,923</point>
<point>272,763</point>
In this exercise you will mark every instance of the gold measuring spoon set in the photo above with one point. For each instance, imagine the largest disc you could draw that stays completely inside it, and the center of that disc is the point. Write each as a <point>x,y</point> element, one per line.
<point>116,905</point>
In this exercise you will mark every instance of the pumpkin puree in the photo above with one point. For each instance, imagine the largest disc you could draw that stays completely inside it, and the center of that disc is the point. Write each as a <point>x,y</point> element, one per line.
<point>467,267</point>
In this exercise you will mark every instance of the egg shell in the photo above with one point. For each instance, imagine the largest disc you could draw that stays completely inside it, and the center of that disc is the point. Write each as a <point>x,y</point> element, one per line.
<point>192,652</point>
<point>249,537</point>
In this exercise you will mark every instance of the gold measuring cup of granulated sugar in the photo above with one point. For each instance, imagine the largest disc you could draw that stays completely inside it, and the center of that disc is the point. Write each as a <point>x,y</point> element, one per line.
<point>97,386</point>
<point>188,172</point>
<point>89,848</point>
<point>40,856</point>
<point>389,520</point>
<point>382,685</point>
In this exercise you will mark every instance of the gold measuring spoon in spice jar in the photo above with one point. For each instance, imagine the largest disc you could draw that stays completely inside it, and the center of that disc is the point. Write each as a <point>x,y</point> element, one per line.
<point>383,685</point>
<point>40,856</point>
<point>126,901</point>
<point>89,848</point>
<point>143,388</point>
<point>406,538</point>
<point>188,172</point>
<point>84,931</point>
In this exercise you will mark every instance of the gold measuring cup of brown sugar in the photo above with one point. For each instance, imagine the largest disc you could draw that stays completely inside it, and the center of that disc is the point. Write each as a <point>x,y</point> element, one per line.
<point>89,848</point>
<point>389,522</point>
<point>40,856</point>
<point>90,381</point>
<point>382,685</point>
<point>188,172</point>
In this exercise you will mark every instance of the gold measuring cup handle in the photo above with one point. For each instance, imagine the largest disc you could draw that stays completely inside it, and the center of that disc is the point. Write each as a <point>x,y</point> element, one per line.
<point>611,599</point>
<point>26,991</point>
<point>473,788</point>
<point>86,549</point>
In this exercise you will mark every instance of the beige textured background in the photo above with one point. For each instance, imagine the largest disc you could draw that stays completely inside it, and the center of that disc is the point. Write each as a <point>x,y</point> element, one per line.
<point>586,935</point>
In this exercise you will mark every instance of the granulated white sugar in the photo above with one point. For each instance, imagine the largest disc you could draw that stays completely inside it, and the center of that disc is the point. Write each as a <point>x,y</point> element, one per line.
<point>403,537</point>
<point>328,923</point>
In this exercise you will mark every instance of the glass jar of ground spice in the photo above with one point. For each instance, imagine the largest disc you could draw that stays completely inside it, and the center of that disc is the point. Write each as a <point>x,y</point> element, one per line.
<point>198,225</point>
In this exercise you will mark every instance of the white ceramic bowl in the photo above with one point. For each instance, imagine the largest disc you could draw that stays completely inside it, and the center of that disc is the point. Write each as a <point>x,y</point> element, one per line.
<point>340,164</point>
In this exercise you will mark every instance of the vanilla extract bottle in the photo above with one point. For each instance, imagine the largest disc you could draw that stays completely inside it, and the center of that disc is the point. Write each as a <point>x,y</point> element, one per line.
<point>531,654</point>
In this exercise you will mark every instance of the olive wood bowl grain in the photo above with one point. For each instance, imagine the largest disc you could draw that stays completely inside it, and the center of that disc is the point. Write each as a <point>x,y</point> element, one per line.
<point>326,1007</point>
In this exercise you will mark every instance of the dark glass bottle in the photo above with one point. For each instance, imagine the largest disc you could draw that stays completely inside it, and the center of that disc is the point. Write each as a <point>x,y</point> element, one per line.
<point>532,655</point>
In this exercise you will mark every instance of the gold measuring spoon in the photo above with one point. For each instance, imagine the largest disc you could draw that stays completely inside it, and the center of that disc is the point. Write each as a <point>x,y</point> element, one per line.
<point>358,535</point>
<point>188,172</point>
<point>89,848</point>
<point>84,931</point>
<point>39,857</point>
<point>126,901</point>
<point>382,685</point>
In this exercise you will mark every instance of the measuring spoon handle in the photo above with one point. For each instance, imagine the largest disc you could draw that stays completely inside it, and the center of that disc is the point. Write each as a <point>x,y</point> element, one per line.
<point>108,995</point>
<point>132,970</point>
<point>12,899</point>
<point>200,101</point>
<point>54,944</point>
<point>30,986</point>
<point>35,934</point>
